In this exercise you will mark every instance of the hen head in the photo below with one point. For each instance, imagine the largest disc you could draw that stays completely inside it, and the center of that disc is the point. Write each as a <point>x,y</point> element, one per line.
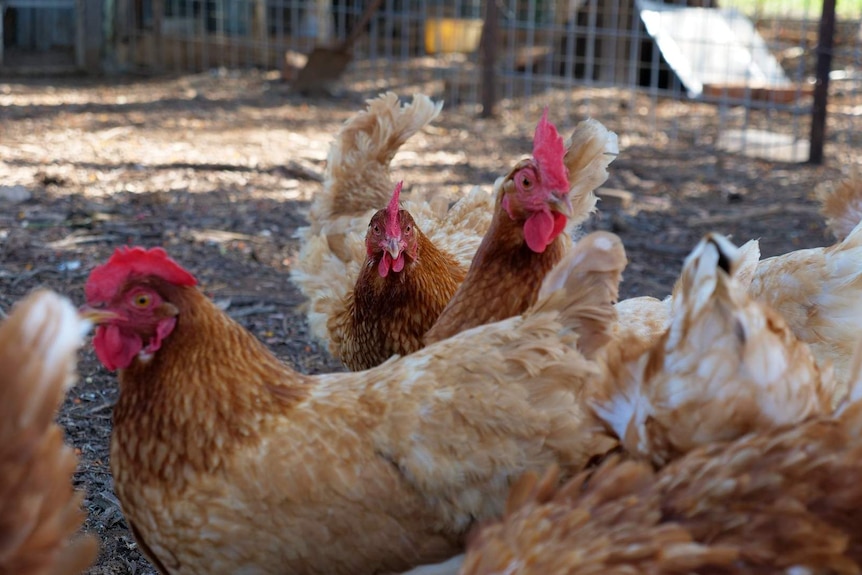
<point>125,295</point>
<point>391,238</point>
<point>536,191</point>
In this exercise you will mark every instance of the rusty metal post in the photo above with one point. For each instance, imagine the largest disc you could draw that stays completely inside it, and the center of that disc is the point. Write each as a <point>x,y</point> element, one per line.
<point>490,45</point>
<point>825,41</point>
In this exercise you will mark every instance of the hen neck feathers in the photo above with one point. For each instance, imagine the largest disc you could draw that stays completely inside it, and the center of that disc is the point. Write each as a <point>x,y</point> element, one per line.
<point>209,388</point>
<point>503,280</point>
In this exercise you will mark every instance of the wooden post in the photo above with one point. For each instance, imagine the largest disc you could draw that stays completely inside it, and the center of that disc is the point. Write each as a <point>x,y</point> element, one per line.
<point>490,44</point>
<point>825,41</point>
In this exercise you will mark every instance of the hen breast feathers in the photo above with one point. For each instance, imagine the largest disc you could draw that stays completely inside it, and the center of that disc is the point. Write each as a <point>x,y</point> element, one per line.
<point>225,459</point>
<point>386,316</point>
<point>40,514</point>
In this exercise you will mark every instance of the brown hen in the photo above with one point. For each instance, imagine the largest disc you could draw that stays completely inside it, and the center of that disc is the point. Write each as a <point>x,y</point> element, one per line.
<point>226,460</point>
<point>535,203</point>
<point>404,284</point>
<point>334,258</point>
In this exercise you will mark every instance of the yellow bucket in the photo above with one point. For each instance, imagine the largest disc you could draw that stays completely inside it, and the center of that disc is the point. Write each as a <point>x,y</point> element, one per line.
<point>446,35</point>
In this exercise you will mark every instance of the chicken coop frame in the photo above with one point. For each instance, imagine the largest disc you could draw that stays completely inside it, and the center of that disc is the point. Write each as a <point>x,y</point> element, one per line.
<point>765,76</point>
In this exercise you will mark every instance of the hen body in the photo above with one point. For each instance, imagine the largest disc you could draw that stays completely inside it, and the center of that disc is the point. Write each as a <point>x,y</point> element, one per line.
<point>841,204</point>
<point>227,461</point>
<point>333,269</point>
<point>40,514</point>
<point>727,365</point>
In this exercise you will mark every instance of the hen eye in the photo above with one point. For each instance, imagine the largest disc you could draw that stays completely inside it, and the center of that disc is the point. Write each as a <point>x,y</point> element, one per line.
<point>526,182</point>
<point>376,229</point>
<point>408,229</point>
<point>141,300</point>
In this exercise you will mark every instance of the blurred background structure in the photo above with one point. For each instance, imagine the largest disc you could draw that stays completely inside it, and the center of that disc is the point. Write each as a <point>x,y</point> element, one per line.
<point>747,70</point>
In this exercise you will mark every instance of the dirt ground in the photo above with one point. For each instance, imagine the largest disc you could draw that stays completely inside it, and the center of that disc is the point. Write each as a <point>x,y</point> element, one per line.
<point>219,169</point>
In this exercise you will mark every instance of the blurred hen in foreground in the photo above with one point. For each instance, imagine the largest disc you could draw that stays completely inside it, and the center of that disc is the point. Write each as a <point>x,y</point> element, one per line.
<point>727,365</point>
<point>785,500</point>
<point>40,514</point>
<point>817,291</point>
<point>228,461</point>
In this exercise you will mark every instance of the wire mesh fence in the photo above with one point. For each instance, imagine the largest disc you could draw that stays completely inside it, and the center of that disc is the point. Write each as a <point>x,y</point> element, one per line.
<point>738,78</point>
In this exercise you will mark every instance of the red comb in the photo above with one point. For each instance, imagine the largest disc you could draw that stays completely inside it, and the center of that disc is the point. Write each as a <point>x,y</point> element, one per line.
<point>391,228</point>
<point>107,279</point>
<point>549,151</point>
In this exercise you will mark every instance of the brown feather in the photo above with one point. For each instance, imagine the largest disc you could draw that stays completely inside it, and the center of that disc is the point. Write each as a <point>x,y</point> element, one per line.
<point>727,365</point>
<point>40,513</point>
<point>841,204</point>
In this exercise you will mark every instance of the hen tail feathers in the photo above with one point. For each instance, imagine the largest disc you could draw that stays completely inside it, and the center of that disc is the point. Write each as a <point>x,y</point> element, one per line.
<point>583,288</point>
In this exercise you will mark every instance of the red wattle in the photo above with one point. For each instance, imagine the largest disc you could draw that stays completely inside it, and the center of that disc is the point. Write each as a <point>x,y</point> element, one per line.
<point>115,350</point>
<point>539,230</point>
<point>383,266</point>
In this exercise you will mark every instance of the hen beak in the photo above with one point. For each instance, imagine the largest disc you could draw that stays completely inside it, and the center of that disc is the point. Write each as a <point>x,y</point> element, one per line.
<point>393,246</point>
<point>562,205</point>
<point>97,316</point>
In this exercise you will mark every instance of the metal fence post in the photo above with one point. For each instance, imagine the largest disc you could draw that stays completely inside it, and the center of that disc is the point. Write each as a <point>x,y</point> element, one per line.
<point>490,44</point>
<point>825,41</point>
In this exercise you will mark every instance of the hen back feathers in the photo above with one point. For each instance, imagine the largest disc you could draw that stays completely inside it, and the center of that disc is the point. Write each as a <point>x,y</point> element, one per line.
<point>774,502</point>
<point>777,501</point>
<point>841,205</point>
<point>819,292</point>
